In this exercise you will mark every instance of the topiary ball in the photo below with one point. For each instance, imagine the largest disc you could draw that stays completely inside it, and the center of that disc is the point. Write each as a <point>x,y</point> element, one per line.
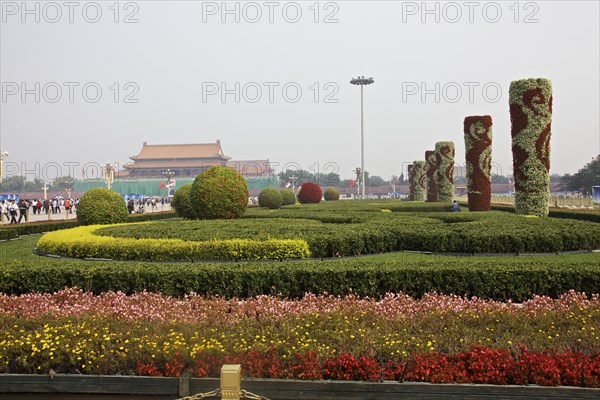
<point>287,197</point>
<point>270,198</point>
<point>309,192</point>
<point>219,193</point>
<point>331,194</point>
<point>181,202</point>
<point>101,206</point>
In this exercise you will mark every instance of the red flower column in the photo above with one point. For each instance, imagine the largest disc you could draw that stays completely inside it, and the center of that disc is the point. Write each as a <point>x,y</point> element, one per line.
<point>411,182</point>
<point>531,117</point>
<point>478,154</point>
<point>431,166</point>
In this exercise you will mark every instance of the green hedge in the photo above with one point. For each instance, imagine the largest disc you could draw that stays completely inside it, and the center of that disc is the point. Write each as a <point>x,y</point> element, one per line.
<point>498,278</point>
<point>13,231</point>
<point>331,234</point>
<point>591,216</point>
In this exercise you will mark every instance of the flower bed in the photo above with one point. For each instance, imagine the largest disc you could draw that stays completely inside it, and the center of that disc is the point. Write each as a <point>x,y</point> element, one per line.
<point>435,339</point>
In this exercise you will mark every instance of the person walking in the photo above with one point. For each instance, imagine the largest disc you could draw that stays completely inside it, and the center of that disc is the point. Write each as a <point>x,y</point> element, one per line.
<point>23,206</point>
<point>4,211</point>
<point>13,208</point>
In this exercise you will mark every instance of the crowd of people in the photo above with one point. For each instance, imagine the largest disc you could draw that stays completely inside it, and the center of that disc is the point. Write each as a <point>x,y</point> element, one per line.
<point>150,204</point>
<point>18,211</point>
<point>10,209</point>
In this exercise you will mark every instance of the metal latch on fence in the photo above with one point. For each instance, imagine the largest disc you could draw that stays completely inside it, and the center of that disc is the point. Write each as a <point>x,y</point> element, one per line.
<point>231,386</point>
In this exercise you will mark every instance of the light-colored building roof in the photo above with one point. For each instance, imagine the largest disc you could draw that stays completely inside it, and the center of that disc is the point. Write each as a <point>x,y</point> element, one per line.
<point>180,151</point>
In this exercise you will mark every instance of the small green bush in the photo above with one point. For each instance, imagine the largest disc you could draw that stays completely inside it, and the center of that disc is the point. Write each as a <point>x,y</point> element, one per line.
<point>219,193</point>
<point>288,197</point>
<point>181,202</point>
<point>331,194</point>
<point>270,198</point>
<point>101,206</point>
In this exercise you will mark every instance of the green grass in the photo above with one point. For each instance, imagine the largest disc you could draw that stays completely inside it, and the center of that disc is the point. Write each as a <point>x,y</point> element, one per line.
<point>19,249</point>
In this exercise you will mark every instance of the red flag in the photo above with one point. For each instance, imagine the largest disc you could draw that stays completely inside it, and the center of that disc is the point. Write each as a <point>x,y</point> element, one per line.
<point>351,183</point>
<point>162,185</point>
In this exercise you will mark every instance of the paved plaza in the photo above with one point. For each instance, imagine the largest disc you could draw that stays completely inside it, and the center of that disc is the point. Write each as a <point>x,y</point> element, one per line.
<point>62,216</point>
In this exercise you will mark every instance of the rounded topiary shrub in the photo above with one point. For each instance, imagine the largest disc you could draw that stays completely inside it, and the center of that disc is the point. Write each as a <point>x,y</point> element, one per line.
<point>270,198</point>
<point>331,194</point>
<point>219,193</point>
<point>287,197</point>
<point>101,206</point>
<point>309,192</point>
<point>181,202</point>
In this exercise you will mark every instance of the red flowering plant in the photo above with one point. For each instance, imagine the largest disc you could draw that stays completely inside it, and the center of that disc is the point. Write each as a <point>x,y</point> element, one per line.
<point>309,192</point>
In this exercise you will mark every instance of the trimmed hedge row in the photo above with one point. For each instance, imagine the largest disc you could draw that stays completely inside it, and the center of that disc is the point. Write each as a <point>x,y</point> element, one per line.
<point>81,242</point>
<point>14,231</point>
<point>590,216</point>
<point>371,276</point>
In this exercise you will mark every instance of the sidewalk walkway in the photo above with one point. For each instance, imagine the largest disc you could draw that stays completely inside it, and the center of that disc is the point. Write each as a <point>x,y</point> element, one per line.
<point>71,216</point>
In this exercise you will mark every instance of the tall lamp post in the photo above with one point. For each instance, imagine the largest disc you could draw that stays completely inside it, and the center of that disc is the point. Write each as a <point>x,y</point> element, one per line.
<point>45,189</point>
<point>293,179</point>
<point>3,155</point>
<point>109,174</point>
<point>362,81</point>
<point>168,174</point>
<point>68,183</point>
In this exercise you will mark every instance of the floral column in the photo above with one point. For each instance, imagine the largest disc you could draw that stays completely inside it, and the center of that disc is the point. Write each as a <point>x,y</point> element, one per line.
<point>411,182</point>
<point>478,154</point>
<point>444,152</point>
<point>431,172</point>
<point>420,187</point>
<point>531,117</point>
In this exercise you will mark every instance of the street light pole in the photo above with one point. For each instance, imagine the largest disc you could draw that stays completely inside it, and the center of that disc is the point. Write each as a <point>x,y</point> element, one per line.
<point>361,80</point>
<point>3,155</point>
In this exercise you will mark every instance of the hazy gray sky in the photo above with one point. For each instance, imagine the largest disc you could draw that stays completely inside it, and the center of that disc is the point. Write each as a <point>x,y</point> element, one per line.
<point>271,79</point>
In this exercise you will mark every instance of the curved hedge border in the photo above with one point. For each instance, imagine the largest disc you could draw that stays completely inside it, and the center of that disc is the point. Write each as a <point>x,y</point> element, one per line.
<point>431,166</point>
<point>81,242</point>
<point>444,153</point>
<point>531,118</point>
<point>420,179</point>
<point>478,146</point>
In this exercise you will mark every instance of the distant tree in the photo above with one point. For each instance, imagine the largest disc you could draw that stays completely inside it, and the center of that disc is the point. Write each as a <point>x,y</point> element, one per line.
<point>499,178</point>
<point>555,178</point>
<point>374,180</point>
<point>13,184</point>
<point>300,174</point>
<point>62,183</point>
<point>330,179</point>
<point>584,179</point>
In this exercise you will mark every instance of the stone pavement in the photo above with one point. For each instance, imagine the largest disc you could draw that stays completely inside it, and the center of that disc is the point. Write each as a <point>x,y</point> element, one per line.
<point>62,216</point>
